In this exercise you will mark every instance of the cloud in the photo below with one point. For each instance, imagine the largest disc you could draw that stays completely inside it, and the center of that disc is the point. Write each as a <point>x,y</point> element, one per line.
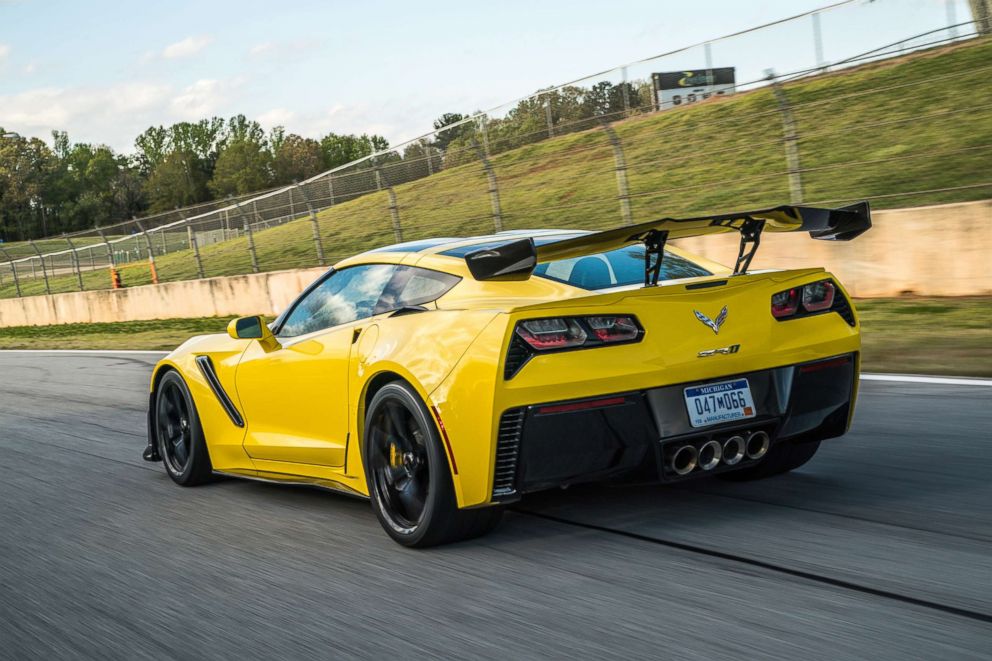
<point>97,113</point>
<point>276,117</point>
<point>4,51</point>
<point>186,47</point>
<point>201,99</point>
<point>262,49</point>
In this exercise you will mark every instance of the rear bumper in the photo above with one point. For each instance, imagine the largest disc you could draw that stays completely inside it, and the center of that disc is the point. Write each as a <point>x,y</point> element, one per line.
<point>632,435</point>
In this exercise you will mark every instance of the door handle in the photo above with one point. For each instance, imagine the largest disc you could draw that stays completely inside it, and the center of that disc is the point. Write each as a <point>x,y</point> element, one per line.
<point>355,335</point>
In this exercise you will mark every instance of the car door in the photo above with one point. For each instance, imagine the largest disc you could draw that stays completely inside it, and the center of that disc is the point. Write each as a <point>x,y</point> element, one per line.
<point>295,397</point>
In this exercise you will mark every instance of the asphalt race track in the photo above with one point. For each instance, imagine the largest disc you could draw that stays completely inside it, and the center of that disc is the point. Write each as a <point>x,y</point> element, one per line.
<point>881,547</point>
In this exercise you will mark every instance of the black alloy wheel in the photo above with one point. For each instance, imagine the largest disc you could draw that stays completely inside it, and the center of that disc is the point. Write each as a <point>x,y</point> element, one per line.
<point>178,433</point>
<point>409,479</point>
<point>400,466</point>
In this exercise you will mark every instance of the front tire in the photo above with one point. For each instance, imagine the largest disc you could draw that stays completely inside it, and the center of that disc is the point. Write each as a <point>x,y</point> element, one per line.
<point>179,434</point>
<point>781,458</point>
<point>409,481</point>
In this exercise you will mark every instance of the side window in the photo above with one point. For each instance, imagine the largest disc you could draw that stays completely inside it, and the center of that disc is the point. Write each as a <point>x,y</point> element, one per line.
<point>346,295</point>
<point>415,286</point>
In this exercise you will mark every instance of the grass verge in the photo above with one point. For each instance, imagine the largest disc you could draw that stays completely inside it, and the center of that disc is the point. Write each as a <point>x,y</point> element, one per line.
<point>916,335</point>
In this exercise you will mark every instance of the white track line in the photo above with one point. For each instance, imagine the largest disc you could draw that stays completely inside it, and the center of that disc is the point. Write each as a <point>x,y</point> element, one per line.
<point>937,380</point>
<point>896,378</point>
<point>84,351</point>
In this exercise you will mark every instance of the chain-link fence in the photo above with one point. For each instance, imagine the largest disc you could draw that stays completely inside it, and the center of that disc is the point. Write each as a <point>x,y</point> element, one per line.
<point>603,151</point>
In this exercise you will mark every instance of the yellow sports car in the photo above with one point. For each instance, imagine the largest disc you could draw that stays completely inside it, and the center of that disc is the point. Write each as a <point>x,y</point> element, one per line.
<point>445,378</point>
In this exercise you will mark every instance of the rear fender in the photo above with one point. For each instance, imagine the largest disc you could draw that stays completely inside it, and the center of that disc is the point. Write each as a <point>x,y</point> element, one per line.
<point>422,349</point>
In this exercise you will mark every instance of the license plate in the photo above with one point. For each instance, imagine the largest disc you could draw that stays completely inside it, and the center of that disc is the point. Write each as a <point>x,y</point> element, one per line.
<point>719,402</point>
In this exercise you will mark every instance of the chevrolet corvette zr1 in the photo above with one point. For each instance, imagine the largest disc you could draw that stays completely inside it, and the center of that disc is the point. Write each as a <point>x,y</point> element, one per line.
<point>447,377</point>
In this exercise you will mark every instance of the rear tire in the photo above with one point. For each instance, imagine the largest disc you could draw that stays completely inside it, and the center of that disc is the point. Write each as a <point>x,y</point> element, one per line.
<point>781,458</point>
<point>409,480</point>
<point>179,434</point>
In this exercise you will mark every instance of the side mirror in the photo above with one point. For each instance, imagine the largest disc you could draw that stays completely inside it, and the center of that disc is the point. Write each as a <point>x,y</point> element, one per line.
<point>253,328</point>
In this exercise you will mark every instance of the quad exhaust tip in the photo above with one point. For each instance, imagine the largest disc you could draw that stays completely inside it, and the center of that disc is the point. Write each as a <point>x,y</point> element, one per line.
<point>684,460</point>
<point>733,450</point>
<point>710,454</point>
<point>757,445</point>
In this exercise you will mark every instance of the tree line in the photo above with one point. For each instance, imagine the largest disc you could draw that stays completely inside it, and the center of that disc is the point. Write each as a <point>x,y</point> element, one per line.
<point>66,187</point>
<point>47,190</point>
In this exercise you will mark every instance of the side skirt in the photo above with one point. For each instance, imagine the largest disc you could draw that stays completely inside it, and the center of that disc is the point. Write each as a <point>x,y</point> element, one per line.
<point>294,480</point>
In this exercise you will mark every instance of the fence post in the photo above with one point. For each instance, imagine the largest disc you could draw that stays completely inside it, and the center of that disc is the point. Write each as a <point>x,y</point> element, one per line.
<point>790,138</point>
<point>547,116</point>
<point>330,188</point>
<point>13,269</point>
<point>251,237</point>
<point>115,279</point>
<point>75,261</point>
<point>493,187</point>
<point>44,273</point>
<point>626,92</point>
<point>818,41</point>
<point>484,124</point>
<point>151,251</point>
<point>315,225</point>
<point>981,12</point>
<point>292,206</point>
<point>193,244</point>
<point>430,157</point>
<point>394,209</point>
<point>620,161</point>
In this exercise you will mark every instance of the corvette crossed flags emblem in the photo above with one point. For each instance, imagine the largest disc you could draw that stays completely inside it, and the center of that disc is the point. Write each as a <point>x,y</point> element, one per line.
<point>714,324</point>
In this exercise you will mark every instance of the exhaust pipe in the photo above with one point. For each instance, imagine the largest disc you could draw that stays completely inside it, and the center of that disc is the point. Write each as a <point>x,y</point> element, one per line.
<point>757,445</point>
<point>733,450</point>
<point>710,454</point>
<point>684,460</point>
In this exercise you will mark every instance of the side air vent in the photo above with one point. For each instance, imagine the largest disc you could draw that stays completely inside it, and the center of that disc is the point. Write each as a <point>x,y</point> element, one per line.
<point>516,356</point>
<point>507,451</point>
<point>843,307</point>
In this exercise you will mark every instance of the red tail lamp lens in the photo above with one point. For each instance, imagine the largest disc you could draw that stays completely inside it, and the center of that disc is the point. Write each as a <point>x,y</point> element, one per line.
<point>613,329</point>
<point>785,303</point>
<point>818,295</point>
<point>556,333</point>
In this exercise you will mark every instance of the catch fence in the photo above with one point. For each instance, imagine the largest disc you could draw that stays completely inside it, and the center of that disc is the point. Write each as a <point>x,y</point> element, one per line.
<point>605,150</point>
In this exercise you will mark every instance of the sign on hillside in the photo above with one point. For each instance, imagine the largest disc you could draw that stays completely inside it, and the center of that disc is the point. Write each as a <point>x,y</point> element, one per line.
<point>676,88</point>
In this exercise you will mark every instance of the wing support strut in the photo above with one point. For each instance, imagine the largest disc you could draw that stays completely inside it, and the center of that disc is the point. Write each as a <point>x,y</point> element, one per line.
<point>654,252</point>
<point>750,240</point>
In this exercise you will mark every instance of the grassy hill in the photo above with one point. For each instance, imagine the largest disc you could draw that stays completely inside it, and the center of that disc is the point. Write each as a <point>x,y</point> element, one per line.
<point>904,132</point>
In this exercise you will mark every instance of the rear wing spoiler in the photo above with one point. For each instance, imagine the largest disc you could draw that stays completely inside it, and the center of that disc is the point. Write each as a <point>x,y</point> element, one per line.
<point>518,259</point>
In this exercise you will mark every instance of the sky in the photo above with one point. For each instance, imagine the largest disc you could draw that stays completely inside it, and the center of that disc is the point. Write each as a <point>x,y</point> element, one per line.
<point>105,71</point>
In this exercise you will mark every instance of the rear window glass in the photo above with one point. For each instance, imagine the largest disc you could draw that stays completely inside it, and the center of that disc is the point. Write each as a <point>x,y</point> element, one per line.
<point>616,268</point>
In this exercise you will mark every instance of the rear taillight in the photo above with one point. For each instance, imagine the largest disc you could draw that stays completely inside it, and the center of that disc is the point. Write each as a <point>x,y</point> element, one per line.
<point>614,329</point>
<point>814,297</point>
<point>818,295</point>
<point>785,303</point>
<point>558,333</point>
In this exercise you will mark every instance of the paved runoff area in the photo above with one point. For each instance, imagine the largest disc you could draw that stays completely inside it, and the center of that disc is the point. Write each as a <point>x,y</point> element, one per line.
<point>881,547</point>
